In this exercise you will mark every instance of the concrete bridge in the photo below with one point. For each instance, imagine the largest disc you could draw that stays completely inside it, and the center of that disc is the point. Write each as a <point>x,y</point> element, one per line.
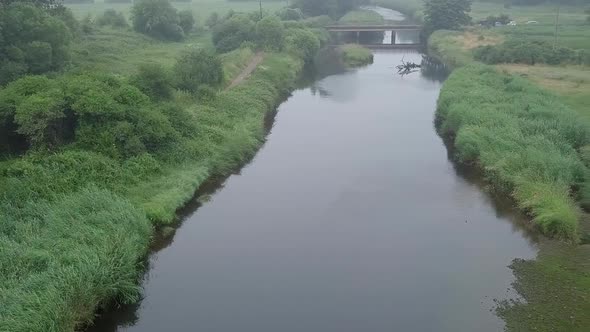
<point>393,28</point>
<point>372,28</point>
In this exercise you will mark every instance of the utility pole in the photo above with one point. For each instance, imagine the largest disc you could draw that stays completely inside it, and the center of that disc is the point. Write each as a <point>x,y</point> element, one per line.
<point>260,2</point>
<point>556,25</point>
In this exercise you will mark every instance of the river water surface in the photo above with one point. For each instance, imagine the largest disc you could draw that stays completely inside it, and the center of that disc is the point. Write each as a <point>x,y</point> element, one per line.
<point>350,218</point>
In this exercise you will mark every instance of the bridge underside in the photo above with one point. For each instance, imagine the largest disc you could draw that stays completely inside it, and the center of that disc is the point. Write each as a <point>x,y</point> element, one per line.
<point>365,35</point>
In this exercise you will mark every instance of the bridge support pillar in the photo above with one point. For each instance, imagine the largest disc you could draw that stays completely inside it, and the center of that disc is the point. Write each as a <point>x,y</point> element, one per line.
<point>393,37</point>
<point>358,37</point>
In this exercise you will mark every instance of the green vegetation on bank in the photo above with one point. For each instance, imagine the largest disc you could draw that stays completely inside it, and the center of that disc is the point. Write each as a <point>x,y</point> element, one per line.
<point>354,55</point>
<point>524,140</point>
<point>361,16</point>
<point>518,132</point>
<point>96,155</point>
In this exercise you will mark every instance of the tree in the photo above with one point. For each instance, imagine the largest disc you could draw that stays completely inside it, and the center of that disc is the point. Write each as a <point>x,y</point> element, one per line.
<point>270,33</point>
<point>446,14</point>
<point>156,18</point>
<point>113,18</point>
<point>196,67</point>
<point>186,20</point>
<point>212,20</point>
<point>232,32</point>
<point>303,43</point>
<point>32,41</point>
<point>154,81</point>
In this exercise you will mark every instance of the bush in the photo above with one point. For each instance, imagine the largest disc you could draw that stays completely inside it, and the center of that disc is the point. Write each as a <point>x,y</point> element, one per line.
<point>270,33</point>
<point>154,81</point>
<point>112,18</point>
<point>232,32</point>
<point>527,52</point>
<point>196,67</point>
<point>156,18</point>
<point>303,43</point>
<point>186,20</point>
<point>212,20</point>
<point>32,40</point>
<point>290,14</point>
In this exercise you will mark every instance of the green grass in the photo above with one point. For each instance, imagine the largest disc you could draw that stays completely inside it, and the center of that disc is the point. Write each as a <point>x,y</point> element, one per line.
<point>361,16</point>
<point>120,51</point>
<point>75,223</point>
<point>354,55</point>
<point>201,8</point>
<point>524,139</point>
<point>556,287</point>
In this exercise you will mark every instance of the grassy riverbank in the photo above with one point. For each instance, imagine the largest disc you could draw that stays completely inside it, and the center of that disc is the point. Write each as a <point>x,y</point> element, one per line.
<point>355,55</point>
<point>79,211</point>
<point>496,113</point>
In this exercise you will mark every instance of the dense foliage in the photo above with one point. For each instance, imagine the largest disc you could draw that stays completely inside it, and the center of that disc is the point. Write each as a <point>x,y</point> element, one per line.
<point>33,39</point>
<point>523,138</point>
<point>446,14</point>
<point>112,18</point>
<point>333,8</point>
<point>196,67</point>
<point>530,52</point>
<point>157,18</point>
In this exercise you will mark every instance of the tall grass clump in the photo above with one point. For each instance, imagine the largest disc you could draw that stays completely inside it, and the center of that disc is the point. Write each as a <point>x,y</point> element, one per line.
<point>524,139</point>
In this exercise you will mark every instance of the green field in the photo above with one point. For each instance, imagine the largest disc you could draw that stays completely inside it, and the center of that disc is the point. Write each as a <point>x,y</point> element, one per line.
<point>201,8</point>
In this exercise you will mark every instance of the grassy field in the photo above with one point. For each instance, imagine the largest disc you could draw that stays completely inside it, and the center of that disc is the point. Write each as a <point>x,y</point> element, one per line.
<point>120,51</point>
<point>201,8</point>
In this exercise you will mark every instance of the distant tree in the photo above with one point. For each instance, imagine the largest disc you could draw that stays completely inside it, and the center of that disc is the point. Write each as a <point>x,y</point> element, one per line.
<point>270,33</point>
<point>290,14</point>
<point>196,67</point>
<point>232,32</point>
<point>333,8</point>
<point>112,18</point>
<point>446,14</point>
<point>31,41</point>
<point>156,18</point>
<point>186,20</point>
<point>212,20</point>
<point>588,12</point>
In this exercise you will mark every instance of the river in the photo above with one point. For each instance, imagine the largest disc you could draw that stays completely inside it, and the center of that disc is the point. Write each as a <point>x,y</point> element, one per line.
<point>352,217</point>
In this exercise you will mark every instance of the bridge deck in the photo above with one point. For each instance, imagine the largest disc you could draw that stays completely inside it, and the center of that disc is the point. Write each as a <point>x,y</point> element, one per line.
<point>379,28</point>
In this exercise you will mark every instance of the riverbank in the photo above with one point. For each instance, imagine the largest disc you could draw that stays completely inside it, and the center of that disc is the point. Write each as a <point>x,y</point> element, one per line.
<point>77,224</point>
<point>354,55</point>
<point>489,110</point>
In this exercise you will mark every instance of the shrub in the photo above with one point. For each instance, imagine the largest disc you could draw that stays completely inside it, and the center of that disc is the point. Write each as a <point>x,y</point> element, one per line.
<point>113,18</point>
<point>527,52</point>
<point>32,40</point>
<point>231,33</point>
<point>156,18</point>
<point>154,81</point>
<point>270,33</point>
<point>196,67</point>
<point>186,20</point>
<point>303,43</point>
<point>212,20</point>
<point>290,14</point>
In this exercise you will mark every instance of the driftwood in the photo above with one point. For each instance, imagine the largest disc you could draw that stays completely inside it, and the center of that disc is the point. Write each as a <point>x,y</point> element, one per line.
<point>407,67</point>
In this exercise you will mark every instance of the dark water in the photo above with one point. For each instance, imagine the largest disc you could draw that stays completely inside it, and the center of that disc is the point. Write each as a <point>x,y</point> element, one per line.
<point>350,218</point>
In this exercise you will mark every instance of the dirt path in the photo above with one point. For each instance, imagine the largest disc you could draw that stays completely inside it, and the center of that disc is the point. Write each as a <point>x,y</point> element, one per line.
<point>256,60</point>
